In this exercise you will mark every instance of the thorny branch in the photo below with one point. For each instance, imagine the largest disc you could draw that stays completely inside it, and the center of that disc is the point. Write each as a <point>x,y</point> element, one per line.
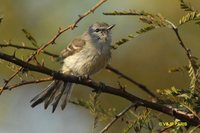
<point>110,68</point>
<point>143,87</point>
<point>183,116</point>
<point>52,41</point>
<point>28,82</point>
<point>123,112</point>
<point>27,48</point>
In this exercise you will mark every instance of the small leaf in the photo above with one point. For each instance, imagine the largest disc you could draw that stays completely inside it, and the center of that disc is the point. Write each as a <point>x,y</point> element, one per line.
<point>30,38</point>
<point>185,6</point>
<point>145,29</point>
<point>189,17</point>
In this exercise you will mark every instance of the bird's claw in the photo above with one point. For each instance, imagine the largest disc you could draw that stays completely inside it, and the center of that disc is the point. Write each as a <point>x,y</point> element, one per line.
<point>83,77</point>
<point>100,88</point>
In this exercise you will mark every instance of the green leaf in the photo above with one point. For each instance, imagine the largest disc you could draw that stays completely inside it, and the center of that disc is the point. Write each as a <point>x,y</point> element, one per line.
<point>30,38</point>
<point>194,74</point>
<point>185,6</point>
<point>145,29</point>
<point>189,17</point>
<point>130,12</point>
<point>130,36</point>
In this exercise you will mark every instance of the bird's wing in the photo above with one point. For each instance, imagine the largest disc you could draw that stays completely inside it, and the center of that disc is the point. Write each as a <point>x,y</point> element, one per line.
<point>74,47</point>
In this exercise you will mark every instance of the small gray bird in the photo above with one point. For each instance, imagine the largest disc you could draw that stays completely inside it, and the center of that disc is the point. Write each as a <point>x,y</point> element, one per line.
<point>84,56</point>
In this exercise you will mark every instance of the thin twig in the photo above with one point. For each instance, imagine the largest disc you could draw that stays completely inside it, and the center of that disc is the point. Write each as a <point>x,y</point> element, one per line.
<point>123,112</point>
<point>52,41</point>
<point>187,50</point>
<point>140,85</point>
<point>28,82</point>
<point>193,129</point>
<point>27,48</point>
<point>166,128</point>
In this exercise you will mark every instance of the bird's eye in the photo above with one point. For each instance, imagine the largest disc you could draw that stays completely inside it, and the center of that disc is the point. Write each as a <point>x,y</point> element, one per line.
<point>97,30</point>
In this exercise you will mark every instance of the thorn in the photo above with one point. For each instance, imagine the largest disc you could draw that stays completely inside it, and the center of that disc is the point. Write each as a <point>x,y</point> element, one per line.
<point>59,29</point>
<point>53,42</point>
<point>121,86</point>
<point>14,54</point>
<point>42,63</point>
<point>9,42</point>
<point>5,81</point>
<point>52,58</point>
<point>24,70</point>
<point>21,79</point>
<point>23,44</point>
<point>79,16</point>
<point>92,11</point>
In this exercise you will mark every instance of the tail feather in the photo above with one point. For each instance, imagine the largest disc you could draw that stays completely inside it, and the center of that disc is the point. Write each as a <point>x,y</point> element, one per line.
<point>43,92</point>
<point>51,97</point>
<point>66,95</point>
<point>43,95</point>
<point>58,96</point>
<point>52,94</point>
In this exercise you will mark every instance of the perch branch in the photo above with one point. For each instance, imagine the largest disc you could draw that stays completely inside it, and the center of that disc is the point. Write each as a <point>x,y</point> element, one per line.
<point>110,68</point>
<point>143,87</point>
<point>183,116</point>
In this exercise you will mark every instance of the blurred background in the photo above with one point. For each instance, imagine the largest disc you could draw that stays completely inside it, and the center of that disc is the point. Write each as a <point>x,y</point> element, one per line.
<point>146,58</point>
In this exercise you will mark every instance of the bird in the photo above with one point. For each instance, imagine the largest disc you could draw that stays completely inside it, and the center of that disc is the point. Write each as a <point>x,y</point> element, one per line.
<point>84,56</point>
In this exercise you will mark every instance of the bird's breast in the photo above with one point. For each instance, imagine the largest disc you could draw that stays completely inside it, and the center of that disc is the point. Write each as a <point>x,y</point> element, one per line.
<point>88,61</point>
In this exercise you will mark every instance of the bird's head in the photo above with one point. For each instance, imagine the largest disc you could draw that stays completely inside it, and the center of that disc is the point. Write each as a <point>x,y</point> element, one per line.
<point>100,32</point>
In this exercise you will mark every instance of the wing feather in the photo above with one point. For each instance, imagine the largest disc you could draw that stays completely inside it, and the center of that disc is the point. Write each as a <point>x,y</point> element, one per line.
<point>75,46</point>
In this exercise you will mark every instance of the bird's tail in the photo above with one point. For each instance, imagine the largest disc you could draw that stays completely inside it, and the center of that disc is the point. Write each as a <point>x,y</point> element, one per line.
<point>55,92</point>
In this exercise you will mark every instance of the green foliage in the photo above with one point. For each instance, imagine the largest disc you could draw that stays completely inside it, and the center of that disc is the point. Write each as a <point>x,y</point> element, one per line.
<point>145,29</point>
<point>156,20</point>
<point>130,12</point>
<point>194,74</point>
<point>178,69</point>
<point>182,99</point>
<point>30,38</point>
<point>130,37</point>
<point>188,99</point>
<point>152,20</point>
<point>189,17</point>
<point>139,122</point>
<point>95,107</point>
<point>186,6</point>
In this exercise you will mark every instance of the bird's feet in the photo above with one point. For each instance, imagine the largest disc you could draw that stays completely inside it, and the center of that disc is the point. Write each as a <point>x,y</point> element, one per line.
<point>100,88</point>
<point>83,77</point>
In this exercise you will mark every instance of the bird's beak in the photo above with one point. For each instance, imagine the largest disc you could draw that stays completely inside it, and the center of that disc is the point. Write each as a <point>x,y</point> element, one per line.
<point>110,27</point>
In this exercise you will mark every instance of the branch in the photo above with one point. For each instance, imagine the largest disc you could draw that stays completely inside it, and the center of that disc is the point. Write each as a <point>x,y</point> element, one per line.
<point>116,118</point>
<point>183,116</point>
<point>27,48</point>
<point>110,68</point>
<point>143,87</point>
<point>192,60</point>
<point>52,41</point>
<point>164,130</point>
<point>28,82</point>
